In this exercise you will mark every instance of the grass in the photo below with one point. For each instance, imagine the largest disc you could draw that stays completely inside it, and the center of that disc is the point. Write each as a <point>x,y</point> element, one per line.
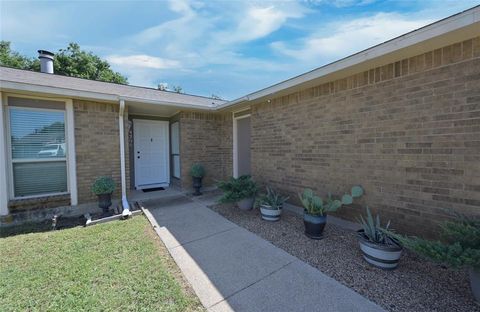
<point>115,266</point>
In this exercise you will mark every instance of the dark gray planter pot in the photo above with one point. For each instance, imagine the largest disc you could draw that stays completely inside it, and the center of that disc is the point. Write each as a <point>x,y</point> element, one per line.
<point>197,185</point>
<point>270,214</point>
<point>246,203</point>
<point>314,225</point>
<point>475,283</point>
<point>381,256</point>
<point>104,202</point>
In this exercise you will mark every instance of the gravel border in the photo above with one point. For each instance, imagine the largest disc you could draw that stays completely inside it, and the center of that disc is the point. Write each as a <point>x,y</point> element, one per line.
<point>416,285</point>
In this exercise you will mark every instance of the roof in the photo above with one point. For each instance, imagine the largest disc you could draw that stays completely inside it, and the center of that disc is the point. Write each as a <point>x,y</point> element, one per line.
<point>17,79</point>
<point>455,28</point>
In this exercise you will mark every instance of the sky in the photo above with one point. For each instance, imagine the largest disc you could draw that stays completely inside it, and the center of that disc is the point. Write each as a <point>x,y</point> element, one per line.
<point>225,48</point>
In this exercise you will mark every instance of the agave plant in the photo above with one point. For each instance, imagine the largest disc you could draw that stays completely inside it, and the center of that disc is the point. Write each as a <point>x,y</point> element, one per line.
<point>272,199</point>
<point>373,230</point>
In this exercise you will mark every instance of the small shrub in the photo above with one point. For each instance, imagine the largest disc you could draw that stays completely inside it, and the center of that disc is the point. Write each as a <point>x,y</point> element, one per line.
<point>197,171</point>
<point>103,185</point>
<point>460,246</point>
<point>235,190</point>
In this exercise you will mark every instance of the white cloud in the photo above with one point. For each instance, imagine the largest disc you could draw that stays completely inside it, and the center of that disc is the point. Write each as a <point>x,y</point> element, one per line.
<point>350,37</point>
<point>258,22</point>
<point>142,60</point>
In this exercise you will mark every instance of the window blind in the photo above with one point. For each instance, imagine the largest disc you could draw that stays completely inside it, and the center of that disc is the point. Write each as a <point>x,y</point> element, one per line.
<point>38,150</point>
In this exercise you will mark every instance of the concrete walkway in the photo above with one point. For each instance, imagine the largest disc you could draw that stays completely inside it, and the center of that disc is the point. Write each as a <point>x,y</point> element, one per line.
<point>232,269</point>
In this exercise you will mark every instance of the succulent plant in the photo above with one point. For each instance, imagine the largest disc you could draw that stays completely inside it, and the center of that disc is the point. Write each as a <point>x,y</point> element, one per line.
<point>316,206</point>
<point>272,198</point>
<point>373,230</point>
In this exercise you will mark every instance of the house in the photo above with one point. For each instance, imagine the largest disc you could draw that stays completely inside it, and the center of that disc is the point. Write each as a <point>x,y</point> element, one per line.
<point>401,118</point>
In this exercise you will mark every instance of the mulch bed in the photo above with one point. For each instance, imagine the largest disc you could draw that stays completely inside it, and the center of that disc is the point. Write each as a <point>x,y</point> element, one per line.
<point>416,285</point>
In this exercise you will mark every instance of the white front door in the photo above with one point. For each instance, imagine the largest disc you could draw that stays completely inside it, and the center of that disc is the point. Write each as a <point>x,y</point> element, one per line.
<point>151,153</point>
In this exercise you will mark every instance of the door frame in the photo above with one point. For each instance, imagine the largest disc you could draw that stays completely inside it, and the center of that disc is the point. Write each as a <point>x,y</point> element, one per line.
<point>235,139</point>
<point>167,147</point>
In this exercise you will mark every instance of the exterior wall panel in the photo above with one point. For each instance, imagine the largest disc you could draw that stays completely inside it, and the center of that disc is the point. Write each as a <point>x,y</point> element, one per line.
<point>408,132</point>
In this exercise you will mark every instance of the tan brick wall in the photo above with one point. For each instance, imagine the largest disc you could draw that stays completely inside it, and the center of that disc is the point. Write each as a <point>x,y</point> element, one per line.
<point>205,138</point>
<point>408,132</point>
<point>97,146</point>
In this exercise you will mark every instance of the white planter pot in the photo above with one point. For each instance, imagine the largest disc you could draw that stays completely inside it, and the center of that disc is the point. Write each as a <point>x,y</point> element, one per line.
<point>270,214</point>
<point>381,256</point>
<point>246,203</point>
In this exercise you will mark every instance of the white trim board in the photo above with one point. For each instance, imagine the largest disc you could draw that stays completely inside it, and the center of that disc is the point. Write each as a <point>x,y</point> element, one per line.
<point>3,160</point>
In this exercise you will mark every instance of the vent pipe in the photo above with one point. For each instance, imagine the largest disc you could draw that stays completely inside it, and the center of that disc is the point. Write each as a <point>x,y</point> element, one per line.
<point>46,61</point>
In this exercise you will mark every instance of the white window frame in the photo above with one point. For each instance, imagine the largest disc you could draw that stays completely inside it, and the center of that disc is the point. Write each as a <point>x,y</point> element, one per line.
<point>69,143</point>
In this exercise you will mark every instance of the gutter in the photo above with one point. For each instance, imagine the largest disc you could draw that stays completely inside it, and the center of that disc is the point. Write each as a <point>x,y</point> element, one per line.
<point>126,207</point>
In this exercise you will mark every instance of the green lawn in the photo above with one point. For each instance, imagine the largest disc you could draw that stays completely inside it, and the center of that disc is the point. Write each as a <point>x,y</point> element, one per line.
<point>116,266</point>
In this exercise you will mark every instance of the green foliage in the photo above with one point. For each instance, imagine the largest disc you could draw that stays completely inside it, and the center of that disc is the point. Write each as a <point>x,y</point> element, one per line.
<point>235,190</point>
<point>103,185</point>
<point>14,59</point>
<point>197,171</point>
<point>355,192</point>
<point>460,246</point>
<point>316,206</point>
<point>272,198</point>
<point>75,62</point>
<point>71,61</point>
<point>373,230</point>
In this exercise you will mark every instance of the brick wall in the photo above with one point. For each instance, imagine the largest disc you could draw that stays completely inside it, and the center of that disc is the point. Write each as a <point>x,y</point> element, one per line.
<point>205,138</point>
<point>97,146</point>
<point>408,132</point>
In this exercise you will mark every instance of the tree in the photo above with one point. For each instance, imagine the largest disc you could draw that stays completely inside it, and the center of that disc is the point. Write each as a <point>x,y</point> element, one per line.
<point>74,62</point>
<point>177,89</point>
<point>16,60</point>
<point>216,97</point>
<point>71,61</point>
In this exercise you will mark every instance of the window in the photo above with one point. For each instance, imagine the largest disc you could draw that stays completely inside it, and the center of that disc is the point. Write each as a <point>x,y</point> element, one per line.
<point>38,148</point>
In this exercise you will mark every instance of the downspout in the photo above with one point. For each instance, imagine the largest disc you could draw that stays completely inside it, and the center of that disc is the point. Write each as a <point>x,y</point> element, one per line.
<point>121,125</point>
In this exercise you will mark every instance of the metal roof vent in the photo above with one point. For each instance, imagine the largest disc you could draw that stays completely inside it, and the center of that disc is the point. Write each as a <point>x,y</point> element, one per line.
<point>46,61</point>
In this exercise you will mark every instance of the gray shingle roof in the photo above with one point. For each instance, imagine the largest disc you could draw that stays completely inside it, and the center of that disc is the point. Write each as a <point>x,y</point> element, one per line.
<point>132,93</point>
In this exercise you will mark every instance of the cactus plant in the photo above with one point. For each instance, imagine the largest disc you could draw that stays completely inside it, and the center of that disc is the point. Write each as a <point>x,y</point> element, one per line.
<point>316,206</point>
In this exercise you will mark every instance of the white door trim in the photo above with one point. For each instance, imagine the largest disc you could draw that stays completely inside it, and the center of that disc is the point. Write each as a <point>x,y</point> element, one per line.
<point>235,142</point>
<point>165,183</point>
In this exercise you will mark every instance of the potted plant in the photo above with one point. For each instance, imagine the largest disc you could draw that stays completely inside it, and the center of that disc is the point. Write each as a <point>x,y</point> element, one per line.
<point>378,247</point>
<point>316,209</point>
<point>103,187</point>
<point>239,190</point>
<point>460,247</point>
<point>271,205</point>
<point>197,172</point>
